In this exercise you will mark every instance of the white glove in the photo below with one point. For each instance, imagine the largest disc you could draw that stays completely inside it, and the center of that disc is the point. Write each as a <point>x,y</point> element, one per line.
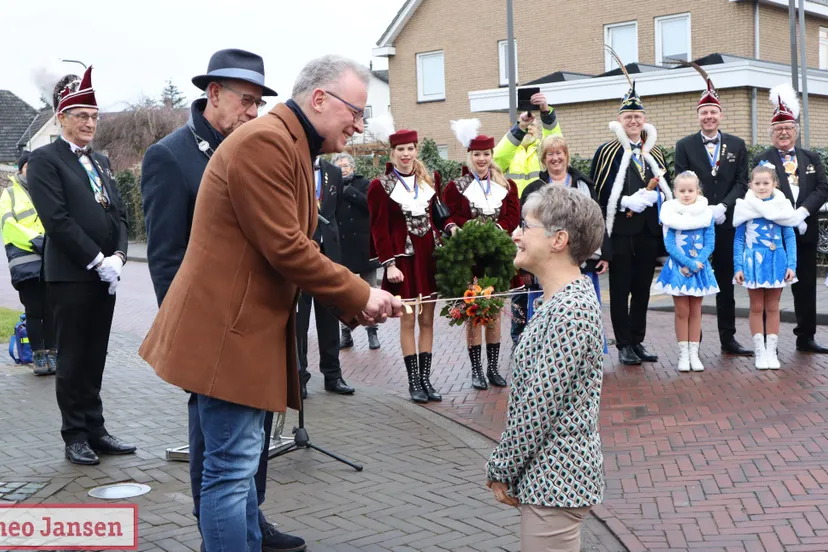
<point>635,203</point>
<point>802,227</point>
<point>110,269</point>
<point>113,286</point>
<point>719,212</point>
<point>650,196</point>
<point>801,214</point>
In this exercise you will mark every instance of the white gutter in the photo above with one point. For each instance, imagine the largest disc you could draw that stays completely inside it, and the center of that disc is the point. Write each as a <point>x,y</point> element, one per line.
<point>735,74</point>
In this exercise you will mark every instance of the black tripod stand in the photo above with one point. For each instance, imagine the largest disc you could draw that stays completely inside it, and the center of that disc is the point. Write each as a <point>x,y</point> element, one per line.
<point>301,440</point>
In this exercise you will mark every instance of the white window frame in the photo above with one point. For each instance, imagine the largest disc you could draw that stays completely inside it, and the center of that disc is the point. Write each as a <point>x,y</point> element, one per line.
<point>443,151</point>
<point>608,59</point>
<point>421,96</point>
<point>368,112</point>
<point>658,45</point>
<point>823,49</point>
<point>503,71</point>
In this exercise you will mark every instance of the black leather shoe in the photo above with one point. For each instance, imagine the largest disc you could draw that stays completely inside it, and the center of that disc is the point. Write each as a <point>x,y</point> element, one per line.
<point>303,388</point>
<point>274,541</point>
<point>643,354</point>
<point>627,356</point>
<point>80,453</point>
<point>373,340</point>
<point>339,387</point>
<point>346,341</point>
<point>733,347</point>
<point>810,346</point>
<point>111,445</point>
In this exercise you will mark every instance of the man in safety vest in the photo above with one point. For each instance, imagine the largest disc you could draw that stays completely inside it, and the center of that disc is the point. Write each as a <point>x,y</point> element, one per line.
<point>23,240</point>
<point>517,157</point>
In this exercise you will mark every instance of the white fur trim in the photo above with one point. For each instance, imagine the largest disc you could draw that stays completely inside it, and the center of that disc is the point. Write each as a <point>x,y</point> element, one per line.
<point>465,130</point>
<point>652,135</point>
<point>778,209</point>
<point>686,217</point>
<point>618,184</point>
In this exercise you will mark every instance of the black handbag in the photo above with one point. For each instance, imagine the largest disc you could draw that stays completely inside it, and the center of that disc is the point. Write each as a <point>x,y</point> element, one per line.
<point>441,212</point>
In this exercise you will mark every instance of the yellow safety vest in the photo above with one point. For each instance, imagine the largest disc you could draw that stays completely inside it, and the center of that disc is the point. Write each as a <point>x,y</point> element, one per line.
<point>22,232</point>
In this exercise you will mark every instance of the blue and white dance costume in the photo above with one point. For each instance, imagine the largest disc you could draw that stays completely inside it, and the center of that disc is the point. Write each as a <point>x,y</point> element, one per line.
<point>765,243</point>
<point>690,237</point>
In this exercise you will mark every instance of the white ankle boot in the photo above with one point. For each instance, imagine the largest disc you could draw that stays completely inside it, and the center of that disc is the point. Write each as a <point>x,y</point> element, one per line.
<point>695,362</point>
<point>759,351</point>
<point>684,356</point>
<point>772,360</point>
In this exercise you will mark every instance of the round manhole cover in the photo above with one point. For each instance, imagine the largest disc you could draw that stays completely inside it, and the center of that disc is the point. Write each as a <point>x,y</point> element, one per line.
<point>119,491</point>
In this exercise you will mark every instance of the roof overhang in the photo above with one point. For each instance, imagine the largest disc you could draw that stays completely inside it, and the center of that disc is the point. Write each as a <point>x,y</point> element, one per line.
<point>734,73</point>
<point>818,8</point>
<point>386,42</point>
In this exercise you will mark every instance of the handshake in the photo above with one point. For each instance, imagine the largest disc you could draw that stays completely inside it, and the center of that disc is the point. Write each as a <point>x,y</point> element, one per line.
<point>109,270</point>
<point>640,200</point>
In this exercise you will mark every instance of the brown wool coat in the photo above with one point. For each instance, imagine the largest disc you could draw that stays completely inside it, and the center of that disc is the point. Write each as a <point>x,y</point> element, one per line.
<point>226,326</point>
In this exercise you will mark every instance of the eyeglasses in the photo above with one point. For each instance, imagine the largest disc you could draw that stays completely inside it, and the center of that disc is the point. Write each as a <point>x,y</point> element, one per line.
<point>359,114</point>
<point>524,226</point>
<point>84,117</point>
<point>246,99</point>
<point>778,129</point>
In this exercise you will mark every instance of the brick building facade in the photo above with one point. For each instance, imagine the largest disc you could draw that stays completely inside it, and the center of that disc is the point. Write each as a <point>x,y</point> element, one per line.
<point>751,36</point>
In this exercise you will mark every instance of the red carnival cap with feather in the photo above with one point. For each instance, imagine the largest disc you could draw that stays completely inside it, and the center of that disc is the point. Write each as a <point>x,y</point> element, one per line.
<point>77,94</point>
<point>403,137</point>
<point>709,97</point>
<point>786,104</point>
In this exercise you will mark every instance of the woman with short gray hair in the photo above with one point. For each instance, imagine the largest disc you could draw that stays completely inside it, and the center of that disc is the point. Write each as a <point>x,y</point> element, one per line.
<point>355,237</point>
<point>549,462</point>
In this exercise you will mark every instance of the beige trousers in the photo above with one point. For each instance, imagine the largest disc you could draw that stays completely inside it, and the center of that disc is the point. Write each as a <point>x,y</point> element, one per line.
<point>545,529</point>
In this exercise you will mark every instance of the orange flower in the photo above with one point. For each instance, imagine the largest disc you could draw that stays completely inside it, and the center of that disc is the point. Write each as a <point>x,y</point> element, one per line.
<point>471,311</point>
<point>477,289</point>
<point>469,296</point>
<point>488,291</point>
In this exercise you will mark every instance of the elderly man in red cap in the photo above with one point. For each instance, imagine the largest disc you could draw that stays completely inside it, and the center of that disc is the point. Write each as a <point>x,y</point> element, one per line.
<point>802,179</point>
<point>74,192</point>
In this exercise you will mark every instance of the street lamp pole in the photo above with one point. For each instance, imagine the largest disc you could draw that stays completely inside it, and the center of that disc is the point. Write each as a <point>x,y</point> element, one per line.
<point>510,61</point>
<point>804,118</point>
<point>75,61</point>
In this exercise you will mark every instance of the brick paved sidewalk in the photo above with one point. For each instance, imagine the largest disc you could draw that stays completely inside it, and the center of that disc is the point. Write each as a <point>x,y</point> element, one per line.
<point>422,487</point>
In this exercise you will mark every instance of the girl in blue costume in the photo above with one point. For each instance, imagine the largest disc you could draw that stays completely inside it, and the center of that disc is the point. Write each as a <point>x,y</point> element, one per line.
<point>764,257</point>
<point>687,275</point>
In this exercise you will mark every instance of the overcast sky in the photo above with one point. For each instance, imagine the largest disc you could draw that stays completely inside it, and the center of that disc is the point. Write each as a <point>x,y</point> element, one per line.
<point>136,46</point>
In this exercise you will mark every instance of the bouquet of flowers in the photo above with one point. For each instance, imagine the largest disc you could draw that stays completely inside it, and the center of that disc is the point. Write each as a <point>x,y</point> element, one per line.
<point>478,307</point>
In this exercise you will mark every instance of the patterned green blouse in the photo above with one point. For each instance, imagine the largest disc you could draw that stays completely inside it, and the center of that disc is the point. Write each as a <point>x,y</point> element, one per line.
<point>550,452</point>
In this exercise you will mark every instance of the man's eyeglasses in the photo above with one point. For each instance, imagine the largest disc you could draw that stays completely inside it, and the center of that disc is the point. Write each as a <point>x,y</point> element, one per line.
<point>359,114</point>
<point>246,99</point>
<point>84,117</point>
<point>778,129</point>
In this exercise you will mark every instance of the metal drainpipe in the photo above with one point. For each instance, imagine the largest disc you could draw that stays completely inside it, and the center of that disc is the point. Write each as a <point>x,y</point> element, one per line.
<point>754,125</point>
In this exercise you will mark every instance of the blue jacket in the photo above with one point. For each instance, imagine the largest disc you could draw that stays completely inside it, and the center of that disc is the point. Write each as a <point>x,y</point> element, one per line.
<point>170,176</point>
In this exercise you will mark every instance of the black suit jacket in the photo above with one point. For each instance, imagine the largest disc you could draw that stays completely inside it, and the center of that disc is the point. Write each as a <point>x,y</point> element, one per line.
<point>327,233</point>
<point>170,176</point>
<point>77,226</point>
<point>813,185</point>
<point>730,182</point>
<point>355,226</point>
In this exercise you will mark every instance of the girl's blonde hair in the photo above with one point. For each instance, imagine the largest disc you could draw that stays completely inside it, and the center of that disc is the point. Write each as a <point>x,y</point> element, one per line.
<point>420,169</point>
<point>550,142</point>
<point>771,170</point>
<point>494,171</point>
<point>689,175</point>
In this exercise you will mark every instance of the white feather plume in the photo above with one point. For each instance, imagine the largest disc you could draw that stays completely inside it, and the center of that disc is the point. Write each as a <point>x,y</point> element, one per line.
<point>381,126</point>
<point>466,130</point>
<point>788,95</point>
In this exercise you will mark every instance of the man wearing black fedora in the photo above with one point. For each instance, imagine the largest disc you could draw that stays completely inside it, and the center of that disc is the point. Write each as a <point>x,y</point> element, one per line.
<point>171,174</point>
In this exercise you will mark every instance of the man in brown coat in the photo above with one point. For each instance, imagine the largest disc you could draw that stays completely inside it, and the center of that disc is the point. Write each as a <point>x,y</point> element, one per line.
<point>226,327</point>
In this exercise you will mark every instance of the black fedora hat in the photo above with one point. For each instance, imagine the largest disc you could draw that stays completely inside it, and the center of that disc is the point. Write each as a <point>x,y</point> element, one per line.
<point>235,64</point>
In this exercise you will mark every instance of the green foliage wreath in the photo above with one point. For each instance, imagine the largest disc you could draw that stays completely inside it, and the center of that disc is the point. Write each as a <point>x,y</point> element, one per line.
<point>481,251</point>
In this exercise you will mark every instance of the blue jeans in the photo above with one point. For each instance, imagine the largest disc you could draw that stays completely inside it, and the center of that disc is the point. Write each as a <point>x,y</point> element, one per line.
<point>196,442</point>
<point>233,442</point>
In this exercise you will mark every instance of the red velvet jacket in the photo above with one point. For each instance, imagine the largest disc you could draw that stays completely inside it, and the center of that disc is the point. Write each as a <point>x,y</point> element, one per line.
<point>389,231</point>
<point>508,217</point>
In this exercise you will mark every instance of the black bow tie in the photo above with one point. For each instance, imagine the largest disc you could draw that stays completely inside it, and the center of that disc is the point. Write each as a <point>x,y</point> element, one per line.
<point>80,152</point>
<point>789,152</point>
<point>637,145</point>
<point>713,141</point>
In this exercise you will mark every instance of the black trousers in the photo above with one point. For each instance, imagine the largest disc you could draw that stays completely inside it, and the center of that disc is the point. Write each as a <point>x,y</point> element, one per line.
<point>804,291</point>
<point>722,262</point>
<point>34,295</point>
<point>327,330</point>
<point>83,318</point>
<point>631,275</point>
